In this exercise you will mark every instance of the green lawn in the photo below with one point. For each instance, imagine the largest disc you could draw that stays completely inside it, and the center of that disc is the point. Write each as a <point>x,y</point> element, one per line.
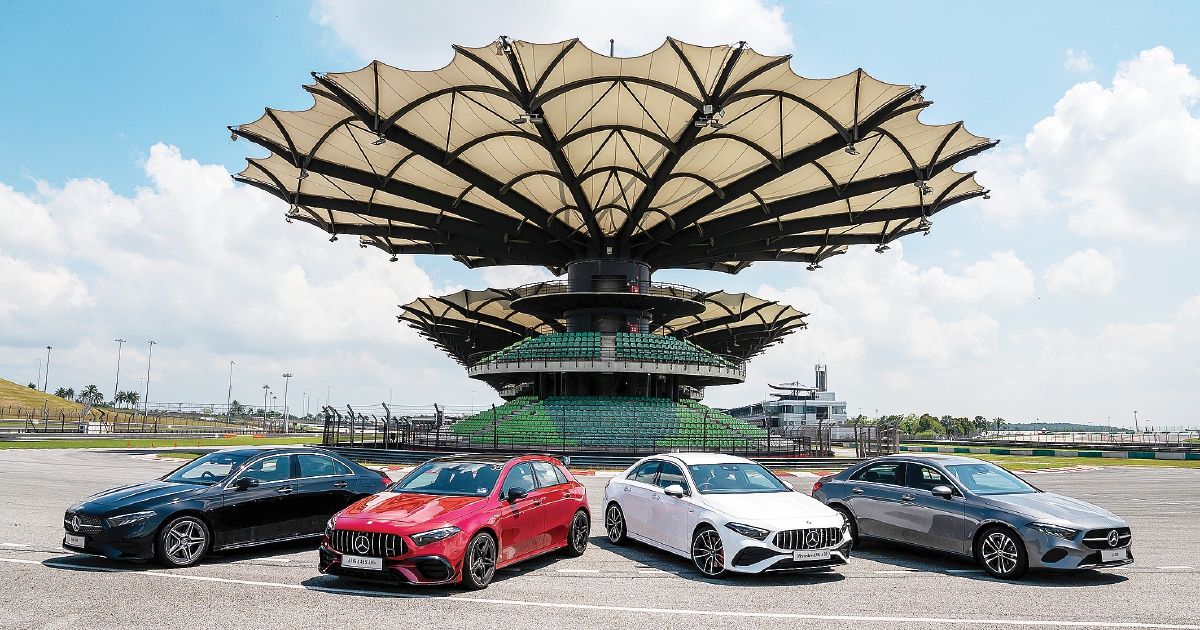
<point>164,443</point>
<point>1030,462</point>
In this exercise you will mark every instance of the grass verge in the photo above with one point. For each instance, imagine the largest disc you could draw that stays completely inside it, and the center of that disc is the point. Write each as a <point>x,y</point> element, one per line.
<point>162,443</point>
<point>1030,462</point>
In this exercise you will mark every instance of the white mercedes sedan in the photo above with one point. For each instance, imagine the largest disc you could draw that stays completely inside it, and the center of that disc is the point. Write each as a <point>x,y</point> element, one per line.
<point>726,513</point>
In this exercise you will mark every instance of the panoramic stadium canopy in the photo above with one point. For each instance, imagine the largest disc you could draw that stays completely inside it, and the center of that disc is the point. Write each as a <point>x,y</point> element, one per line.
<point>606,170</point>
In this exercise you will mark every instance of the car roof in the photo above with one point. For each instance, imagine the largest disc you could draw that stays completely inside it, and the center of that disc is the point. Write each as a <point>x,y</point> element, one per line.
<point>937,458</point>
<point>250,451</point>
<point>692,459</point>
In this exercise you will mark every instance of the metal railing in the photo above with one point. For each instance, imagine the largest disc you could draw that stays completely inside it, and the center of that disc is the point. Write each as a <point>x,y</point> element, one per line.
<point>668,289</point>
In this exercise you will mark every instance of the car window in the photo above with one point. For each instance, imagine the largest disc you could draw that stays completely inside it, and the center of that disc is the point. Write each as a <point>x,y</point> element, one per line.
<point>547,474</point>
<point>670,474</point>
<point>645,474</point>
<point>320,466</point>
<point>562,476</point>
<point>275,468</point>
<point>924,477</point>
<point>884,472</point>
<point>452,478</point>
<point>734,478</point>
<point>519,476</point>
<point>207,470</point>
<point>341,469</point>
<point>984,478</point>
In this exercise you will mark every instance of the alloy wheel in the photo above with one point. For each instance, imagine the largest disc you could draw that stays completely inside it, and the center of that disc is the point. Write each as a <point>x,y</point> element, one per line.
<point>481,561</point>
<point>184,542</point>
<point>614,524</point>
<point>580,530</point>
<point>708,552</point>
<point>999,553</point>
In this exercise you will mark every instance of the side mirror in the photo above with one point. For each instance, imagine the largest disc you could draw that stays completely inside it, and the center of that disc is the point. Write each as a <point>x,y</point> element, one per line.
<point>516,494</point>
<point>789,485</point>
<point>944,492</point>
<point>675,490</point>
<point>245,483</point>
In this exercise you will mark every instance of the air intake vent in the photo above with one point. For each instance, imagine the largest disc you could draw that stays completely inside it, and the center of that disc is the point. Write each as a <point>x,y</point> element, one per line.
<point>815,538</point>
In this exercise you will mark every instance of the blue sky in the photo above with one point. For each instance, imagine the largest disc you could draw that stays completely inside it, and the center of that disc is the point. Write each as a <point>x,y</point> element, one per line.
<point>97,85</point>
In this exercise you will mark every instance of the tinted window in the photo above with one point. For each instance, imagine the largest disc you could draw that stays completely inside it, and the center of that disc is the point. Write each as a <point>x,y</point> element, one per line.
<point>519,476</point>
<point>670,474</point>
<point>645,474</point>
<point>450,478</point>
<point>886,472</point>
<point>207,470</point>
<point>984,478</point>
<point>547,474</point>
<point>274,468</point>
<point>734,479</point>
<point>924,477</point>
<point>319,466</point>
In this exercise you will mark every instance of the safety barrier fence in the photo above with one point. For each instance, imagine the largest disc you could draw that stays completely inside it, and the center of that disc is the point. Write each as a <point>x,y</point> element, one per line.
<point>1173,454</point>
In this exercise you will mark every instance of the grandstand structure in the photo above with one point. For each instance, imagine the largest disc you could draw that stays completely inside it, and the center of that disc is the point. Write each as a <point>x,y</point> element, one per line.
<point>605,170</point>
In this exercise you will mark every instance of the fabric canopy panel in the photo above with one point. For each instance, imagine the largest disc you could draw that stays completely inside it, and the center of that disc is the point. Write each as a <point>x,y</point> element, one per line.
<point>544,154</point>
<point>469,325</point>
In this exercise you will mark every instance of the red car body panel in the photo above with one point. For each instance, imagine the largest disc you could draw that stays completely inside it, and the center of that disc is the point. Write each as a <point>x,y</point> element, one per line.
<point>532,526</point>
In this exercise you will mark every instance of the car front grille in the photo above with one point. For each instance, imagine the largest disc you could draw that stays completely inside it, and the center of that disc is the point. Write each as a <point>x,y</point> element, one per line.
<point>1098,538</point>
<point>367,543</point>
<point>815,538</point>
<point>87,523</point>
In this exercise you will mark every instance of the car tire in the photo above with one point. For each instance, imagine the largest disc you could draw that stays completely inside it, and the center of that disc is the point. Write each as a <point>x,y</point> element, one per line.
<point>1001,553</point>
<point>479,563</point>
<point>708,552</point>
<point>845,512</point>
<point>614,524</point>
<point>182,542</point>
<point>577,534</point>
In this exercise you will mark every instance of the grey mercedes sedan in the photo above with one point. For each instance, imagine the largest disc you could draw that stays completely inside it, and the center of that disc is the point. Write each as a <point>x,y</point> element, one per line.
<point>973,508</point>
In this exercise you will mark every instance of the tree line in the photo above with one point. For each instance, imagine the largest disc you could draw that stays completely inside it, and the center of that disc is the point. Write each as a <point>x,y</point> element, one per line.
<point>930,425</point>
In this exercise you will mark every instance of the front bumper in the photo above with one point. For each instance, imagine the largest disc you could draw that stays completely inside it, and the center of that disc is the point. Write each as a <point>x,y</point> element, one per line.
<point>112,546</point>
<point>746,555</point>
<point>1051,552</point>
<point>437,563</point>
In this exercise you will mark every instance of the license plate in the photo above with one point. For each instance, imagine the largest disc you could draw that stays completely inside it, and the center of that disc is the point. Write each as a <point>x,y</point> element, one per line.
<point>1112,555</point>
<point>75,541</point>
<point>808,555</point>
<point>362,562</point>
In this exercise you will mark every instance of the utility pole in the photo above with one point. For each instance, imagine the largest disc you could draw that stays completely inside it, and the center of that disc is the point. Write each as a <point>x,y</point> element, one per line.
<point>117,386</point>
<point>149,356</point>
<point>286,376</point>
<point>266,390</point>
<point>46,383</point>
<point>229,392</point>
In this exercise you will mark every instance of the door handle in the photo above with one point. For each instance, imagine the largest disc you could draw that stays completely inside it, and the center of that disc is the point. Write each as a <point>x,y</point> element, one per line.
<point>285,490</point>
<point>340,484</point>
<point>908,497</point>
<point>537,502</point>
<point>625,488</point>
<point>567,494</point>
<point>857,491</point>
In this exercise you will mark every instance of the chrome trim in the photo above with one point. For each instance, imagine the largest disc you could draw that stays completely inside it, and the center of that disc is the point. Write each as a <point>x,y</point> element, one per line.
<point>255,543</point>
<point>373,544</point>
<point>811,538</point>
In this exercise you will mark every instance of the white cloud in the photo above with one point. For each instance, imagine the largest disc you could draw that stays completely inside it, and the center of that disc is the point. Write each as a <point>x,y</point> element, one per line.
<point>210,271</point>
<point>514,276</point>
<point>418,35</point>
<point>1078,62</point>
<point>1122,162</point>
<point>1088,272</point>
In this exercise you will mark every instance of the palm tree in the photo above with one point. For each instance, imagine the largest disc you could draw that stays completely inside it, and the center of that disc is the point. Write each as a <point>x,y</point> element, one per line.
<point>63,392</point>
<point>130,397</point>
<point>91,394</point>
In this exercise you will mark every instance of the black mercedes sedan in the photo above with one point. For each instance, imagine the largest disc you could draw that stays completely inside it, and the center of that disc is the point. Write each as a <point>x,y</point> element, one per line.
<point>220,501</point>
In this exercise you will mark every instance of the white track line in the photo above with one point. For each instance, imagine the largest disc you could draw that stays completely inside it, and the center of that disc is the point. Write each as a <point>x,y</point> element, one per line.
<point>629,609</point>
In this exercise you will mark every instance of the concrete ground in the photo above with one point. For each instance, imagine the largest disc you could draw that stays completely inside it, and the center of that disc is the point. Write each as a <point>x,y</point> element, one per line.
<point>43,586</point>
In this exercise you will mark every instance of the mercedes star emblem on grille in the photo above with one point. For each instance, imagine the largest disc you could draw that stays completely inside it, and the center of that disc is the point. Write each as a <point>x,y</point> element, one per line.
<point>75,523</point>
<point>362,544</point>
<point>812,537</point>
<point>1114,538</point>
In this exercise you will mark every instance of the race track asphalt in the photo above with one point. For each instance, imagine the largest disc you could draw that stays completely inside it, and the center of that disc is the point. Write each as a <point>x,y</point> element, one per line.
<point>44,586</point>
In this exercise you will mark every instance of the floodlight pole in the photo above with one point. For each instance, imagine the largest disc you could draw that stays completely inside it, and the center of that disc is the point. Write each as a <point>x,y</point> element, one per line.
<point>117,385</point>
<point>229,392</point>
<point>146,402</point>
<point>46,383</point>
<point>286,376</point>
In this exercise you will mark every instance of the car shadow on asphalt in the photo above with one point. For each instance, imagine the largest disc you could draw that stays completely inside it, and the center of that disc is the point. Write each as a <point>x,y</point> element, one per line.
<point>915,559</point>
<point>654,558</point>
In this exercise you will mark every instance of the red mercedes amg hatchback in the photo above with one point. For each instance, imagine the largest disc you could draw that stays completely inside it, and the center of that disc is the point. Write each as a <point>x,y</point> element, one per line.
<point>458,519</point>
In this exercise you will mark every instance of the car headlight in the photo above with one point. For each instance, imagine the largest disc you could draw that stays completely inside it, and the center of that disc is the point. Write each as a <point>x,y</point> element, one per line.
<point>132,517</point>
<point>434,535</point>
<point>1066,533</point>
<point>331,523</point>
<point>757,533</point>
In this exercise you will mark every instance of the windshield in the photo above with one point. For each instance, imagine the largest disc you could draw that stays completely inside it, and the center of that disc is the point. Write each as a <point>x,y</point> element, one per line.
<point>734,479</point>
<point>451,479</point>
<point>984,479</point>
<point>207,470</point>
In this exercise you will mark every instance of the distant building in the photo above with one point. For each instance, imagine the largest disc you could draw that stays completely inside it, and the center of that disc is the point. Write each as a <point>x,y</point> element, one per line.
<point>796,405</point>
